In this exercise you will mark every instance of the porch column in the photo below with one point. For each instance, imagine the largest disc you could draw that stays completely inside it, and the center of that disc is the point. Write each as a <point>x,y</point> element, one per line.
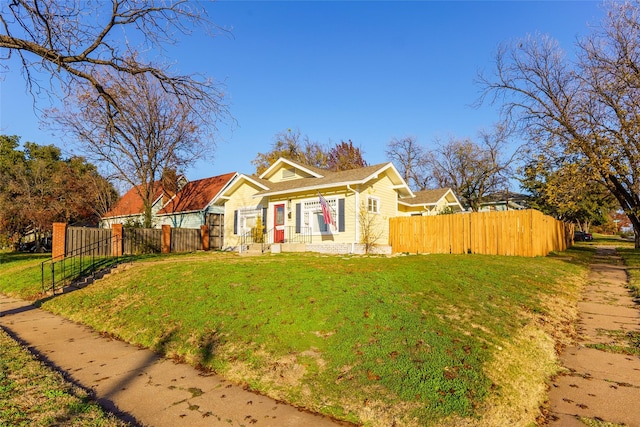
<point>166,238</point>
<point>116,240</point>
<point>204,237</point>
<point>59,240</point>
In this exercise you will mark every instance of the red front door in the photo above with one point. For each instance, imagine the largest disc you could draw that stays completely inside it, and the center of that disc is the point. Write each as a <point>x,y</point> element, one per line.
<point>278,224</point>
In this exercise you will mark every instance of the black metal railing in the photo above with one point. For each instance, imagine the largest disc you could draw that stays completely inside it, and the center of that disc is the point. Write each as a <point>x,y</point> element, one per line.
<point>81,263</point>
<point>251,237</point>
<point>287,234</point>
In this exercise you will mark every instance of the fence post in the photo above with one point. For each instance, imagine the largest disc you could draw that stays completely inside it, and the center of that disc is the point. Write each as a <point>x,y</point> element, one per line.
<point>166,238</point>
<point>204,237</point>
<point>116,240</point>
<point>59,240</point>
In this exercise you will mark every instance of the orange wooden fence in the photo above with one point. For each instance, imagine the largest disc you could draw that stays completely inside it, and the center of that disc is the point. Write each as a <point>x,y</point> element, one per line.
<point>520,233</point>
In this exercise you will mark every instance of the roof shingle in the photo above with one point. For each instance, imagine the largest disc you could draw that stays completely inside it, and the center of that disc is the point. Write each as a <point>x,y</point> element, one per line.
<point>196,195</point>
<point>131,203</point>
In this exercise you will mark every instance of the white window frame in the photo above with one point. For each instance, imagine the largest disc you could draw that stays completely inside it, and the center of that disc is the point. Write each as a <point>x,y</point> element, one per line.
<point>245,213</point>
<point>311,209</point>
<point>373,204</point>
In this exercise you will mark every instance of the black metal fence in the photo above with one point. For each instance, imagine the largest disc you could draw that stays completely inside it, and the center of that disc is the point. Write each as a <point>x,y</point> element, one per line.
<point>91,250</point>
<point>80,263</point>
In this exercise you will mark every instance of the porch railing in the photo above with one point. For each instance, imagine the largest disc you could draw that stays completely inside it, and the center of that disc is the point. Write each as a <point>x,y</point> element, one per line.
<point>286,235</point>
<point>289,235</point>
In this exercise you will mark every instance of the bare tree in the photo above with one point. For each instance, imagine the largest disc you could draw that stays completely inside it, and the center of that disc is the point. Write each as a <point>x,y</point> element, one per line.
<point>370,228</point>
<point>589,108</point>
<point>410,159</point>
<point>76,41</point>
<point>153,131</point>
<point>473,170</point>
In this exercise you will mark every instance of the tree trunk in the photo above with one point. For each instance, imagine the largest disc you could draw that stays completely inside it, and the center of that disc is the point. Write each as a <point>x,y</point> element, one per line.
<point>148,220</point>
<point>635,221</point>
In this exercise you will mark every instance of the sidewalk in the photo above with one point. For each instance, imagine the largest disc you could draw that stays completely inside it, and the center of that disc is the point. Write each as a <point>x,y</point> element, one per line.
<point>598,384</point>
<point>137,384</point>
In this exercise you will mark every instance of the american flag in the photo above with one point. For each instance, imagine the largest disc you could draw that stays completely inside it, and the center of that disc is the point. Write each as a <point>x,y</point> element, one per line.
<point>326,211</point>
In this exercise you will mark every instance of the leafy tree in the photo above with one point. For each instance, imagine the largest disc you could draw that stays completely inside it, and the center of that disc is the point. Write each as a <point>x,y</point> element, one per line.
<point>345,156</point>
<point>410,159</point>
<point>291,145</point>
<point>152,133</point>
<point>587,107</point>
<point>39,187</point>
<point>567,193</point>
<point>473,170</point>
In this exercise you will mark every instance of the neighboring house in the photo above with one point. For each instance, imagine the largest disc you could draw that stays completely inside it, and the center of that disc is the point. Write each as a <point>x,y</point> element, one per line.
<point>190,207</point>
<point>504,201</point>
<point>285,198</point>
<point>195,203</point>
<point>430,202</point>
<point>130,208</point>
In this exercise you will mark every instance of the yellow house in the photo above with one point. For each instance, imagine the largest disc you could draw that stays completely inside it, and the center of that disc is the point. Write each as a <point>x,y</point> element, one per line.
<point>282,207</point>
<point>430,202</point>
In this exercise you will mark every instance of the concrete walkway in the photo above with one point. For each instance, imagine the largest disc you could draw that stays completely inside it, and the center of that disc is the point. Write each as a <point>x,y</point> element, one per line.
<point>599,384</point>
<point>137,384</point>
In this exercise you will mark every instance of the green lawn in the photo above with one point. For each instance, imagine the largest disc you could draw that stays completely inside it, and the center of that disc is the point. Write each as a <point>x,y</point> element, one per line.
<point>34,395</point>
<point>20,274</point>
<point>415,340</point>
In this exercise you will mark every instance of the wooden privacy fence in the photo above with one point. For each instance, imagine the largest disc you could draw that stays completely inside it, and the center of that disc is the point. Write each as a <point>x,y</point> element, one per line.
<point>141,240</point>
<point>185,240</point>
<point>216,230</point>
<point>82,237</point>
<point>521,233</point>
<point>134,240</point>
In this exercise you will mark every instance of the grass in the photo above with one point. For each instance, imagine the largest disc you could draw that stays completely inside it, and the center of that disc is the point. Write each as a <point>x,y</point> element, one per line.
<point>595,422</point>
<point>34,395</point>
<point>631,259</point>
<point>20,274</point>
<point>414,340</point>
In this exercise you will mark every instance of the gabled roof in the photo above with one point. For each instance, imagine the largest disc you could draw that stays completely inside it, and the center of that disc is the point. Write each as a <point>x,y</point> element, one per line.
<point>258,182</point>
<point>311,170</point>
<point>426,197</point>
<point>197,195</point>
<point>131,203</point>
<point>334,179</point>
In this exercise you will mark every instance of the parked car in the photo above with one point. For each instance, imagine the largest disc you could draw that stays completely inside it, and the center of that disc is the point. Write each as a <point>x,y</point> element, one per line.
<point>45,246</point>
<point>581,236</point>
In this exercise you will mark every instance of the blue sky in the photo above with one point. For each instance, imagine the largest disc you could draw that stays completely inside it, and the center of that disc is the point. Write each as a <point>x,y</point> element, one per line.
<point>367,71</point>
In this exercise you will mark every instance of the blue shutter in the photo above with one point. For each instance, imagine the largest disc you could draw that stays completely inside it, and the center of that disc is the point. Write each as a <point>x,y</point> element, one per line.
<point>264,219</point>
<point>298,217</point>
<point>340,215</point>
<point>235,222</point>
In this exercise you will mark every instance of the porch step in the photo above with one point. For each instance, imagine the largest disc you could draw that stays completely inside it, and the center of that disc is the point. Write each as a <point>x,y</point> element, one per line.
<point>254,249</point>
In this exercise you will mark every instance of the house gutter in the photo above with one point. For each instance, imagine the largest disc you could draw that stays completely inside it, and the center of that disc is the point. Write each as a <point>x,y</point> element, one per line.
<point>357,236</point>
